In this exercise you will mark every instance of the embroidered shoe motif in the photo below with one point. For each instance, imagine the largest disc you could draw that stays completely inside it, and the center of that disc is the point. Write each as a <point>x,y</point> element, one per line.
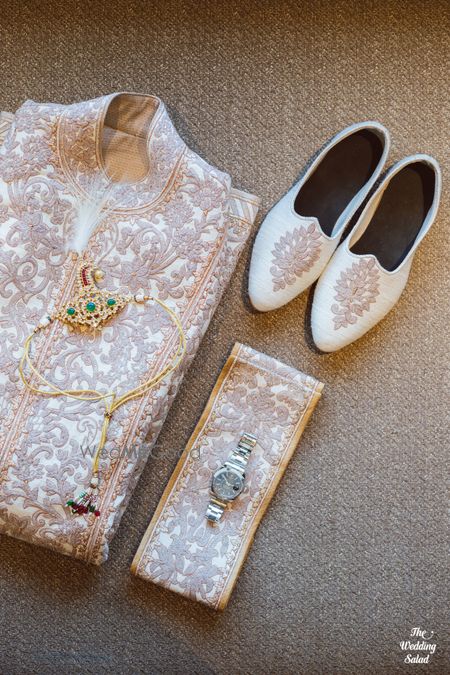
<point>356,289</point>
<point>294,254</point>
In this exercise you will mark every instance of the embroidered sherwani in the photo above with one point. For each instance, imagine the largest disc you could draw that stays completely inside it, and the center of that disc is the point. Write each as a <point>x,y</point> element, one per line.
<point>176,231</point>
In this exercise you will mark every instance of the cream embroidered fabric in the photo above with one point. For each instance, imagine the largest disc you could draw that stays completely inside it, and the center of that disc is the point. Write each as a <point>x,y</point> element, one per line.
<point>181,550</point>
<point>177,233</point>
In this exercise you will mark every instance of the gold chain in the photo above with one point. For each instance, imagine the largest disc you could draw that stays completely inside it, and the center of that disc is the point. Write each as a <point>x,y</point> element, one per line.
<point>88,501</point>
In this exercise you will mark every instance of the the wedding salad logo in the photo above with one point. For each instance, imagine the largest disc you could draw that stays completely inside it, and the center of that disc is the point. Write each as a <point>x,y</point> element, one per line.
<point>419,647</point>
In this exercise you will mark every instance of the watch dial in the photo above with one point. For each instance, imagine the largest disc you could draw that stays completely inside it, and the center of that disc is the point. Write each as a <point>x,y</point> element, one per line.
<point>227,484</point>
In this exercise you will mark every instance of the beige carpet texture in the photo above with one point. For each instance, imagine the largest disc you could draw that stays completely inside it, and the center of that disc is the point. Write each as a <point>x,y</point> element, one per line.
<point>351,554</point>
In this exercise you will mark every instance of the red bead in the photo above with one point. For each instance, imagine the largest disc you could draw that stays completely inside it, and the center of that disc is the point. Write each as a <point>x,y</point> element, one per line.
<point>97,513</point>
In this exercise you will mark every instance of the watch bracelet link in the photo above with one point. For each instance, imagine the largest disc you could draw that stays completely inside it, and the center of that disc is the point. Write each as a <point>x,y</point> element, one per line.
<point>215,509</point>
<point>239,457</point>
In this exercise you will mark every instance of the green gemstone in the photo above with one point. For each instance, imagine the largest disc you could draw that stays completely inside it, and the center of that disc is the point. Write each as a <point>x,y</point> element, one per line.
<point>110,302</point>
<point>71,311</point>
<point>90,306</point>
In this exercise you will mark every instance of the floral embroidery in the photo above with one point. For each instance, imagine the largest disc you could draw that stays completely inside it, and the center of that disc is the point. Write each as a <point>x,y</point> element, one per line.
<point>167,239</point>
<point>183,552</point>
<point>78,136</point>
<point>294,254</point>
<point>356,289</point>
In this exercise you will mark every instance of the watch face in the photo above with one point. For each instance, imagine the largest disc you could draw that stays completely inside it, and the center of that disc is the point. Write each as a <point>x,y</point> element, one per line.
<point>227,484</point>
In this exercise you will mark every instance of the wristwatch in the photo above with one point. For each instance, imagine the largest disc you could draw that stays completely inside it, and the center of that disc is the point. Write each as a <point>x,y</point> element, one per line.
<point>228,481</point>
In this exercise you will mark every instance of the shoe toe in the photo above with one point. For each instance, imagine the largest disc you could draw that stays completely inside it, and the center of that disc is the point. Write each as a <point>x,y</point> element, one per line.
<point>343,296</point>
<point>263,296</point>
<point>287,257</point>
<point>264,291</point>
<point>323,333</point>
<point>323,328</point>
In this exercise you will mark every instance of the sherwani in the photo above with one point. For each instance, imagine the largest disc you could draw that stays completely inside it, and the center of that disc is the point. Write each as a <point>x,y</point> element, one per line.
<point>176,232</point>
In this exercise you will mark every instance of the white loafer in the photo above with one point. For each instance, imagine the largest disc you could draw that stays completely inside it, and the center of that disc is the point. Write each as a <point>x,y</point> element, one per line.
<point>368,272</point>
<point>301,232</point>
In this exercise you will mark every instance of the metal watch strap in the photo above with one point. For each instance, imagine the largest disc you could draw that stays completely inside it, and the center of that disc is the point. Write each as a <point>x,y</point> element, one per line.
<point>215,509</point>
<point>238,460</point>
<point>239,457</point>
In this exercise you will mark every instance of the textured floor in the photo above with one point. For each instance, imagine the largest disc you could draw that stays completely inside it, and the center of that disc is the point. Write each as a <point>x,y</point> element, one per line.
<point>351,554</point>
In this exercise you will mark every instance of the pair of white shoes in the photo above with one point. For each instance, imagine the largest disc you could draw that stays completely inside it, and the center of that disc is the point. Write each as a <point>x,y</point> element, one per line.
<point>362,279</point>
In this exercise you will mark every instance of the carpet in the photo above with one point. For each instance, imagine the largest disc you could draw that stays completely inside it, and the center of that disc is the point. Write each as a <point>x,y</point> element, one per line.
<point>351,554</point>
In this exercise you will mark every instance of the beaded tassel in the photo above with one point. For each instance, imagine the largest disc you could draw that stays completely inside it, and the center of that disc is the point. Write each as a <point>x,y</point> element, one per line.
<point>86,502</point>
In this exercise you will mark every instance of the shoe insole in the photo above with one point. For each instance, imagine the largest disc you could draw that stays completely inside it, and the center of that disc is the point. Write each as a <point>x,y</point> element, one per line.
<point>340,175</point>
<point>399,216</point>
